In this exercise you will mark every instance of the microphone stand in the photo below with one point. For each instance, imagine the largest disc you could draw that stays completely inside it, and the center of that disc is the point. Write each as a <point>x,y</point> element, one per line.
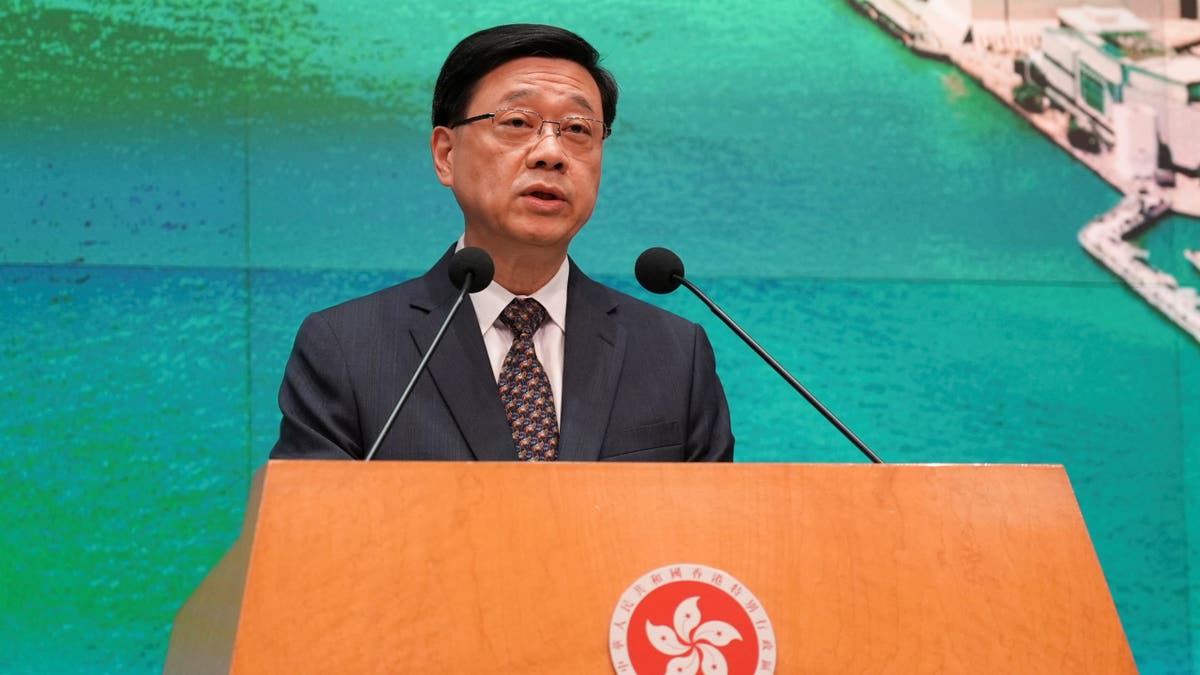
<point>387,426</point>
<point>780,369</point>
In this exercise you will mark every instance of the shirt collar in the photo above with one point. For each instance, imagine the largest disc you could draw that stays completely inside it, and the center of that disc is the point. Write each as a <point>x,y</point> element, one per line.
<point>491,301</point>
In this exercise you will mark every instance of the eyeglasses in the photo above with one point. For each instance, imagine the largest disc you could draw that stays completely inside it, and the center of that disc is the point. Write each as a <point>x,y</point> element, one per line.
<point>517,126</point>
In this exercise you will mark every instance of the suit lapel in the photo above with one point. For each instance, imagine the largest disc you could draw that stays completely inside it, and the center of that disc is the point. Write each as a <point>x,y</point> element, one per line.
<point>595,348</point>
<point>460,368</point>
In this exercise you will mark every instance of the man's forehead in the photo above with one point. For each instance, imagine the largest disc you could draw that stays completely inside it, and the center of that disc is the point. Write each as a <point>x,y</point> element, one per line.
<point>534,77</point>
<point>526,93</point>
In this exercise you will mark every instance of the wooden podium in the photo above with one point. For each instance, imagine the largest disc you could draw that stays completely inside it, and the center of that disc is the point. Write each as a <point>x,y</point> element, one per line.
<point>430,567</point>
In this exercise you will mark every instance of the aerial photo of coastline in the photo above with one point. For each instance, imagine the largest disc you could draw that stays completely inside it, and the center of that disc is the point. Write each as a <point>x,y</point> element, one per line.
<point>968,226</point>
<point>1118,92</point>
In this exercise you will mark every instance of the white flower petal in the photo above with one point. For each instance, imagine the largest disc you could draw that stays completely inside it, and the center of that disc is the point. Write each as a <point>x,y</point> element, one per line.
<point>664,640</point>
<point>717,632</point>
<point>713,662</point>
<point>687,617</point>
<point>684,665</point>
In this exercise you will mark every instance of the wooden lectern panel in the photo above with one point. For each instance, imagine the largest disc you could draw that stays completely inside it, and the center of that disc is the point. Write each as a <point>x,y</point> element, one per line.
<point>436,567</point>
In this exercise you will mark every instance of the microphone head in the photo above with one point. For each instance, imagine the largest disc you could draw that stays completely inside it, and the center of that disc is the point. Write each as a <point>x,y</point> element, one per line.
<point>658,270</point>
<point>477,263</point>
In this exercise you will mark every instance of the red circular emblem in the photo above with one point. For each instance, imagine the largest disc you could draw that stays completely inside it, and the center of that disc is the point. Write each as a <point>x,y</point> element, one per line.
<point>691,620</point>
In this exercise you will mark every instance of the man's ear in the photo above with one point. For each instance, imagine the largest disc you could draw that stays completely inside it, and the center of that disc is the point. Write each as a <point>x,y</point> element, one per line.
<point>441,144</point>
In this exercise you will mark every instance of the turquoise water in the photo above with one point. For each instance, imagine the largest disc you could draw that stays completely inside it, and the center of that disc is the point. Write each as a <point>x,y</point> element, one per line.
<point>894,236</point>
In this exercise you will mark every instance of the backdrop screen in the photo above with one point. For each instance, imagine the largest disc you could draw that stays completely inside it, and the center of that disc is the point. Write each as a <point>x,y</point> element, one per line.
<point>183,181</point>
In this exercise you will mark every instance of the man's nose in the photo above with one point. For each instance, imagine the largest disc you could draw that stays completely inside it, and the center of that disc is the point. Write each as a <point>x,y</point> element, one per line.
<point>547,148</point>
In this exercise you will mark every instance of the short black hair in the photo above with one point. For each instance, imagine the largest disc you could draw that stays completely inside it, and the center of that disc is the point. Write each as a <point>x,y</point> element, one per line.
<point>481,53</point>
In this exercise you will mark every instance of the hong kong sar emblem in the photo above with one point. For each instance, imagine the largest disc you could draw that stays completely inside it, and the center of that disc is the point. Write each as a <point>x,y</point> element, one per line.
<point>691,620</point>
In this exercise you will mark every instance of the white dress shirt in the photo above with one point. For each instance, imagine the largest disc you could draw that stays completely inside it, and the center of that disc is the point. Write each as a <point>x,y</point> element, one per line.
<point>548,341</point>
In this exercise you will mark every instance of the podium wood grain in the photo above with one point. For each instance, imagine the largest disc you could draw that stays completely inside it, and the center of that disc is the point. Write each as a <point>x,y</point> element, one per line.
<point>516,568</point>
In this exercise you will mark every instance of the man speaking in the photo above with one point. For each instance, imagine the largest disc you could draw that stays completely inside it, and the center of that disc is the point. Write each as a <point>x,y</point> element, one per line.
<point>546,364</point>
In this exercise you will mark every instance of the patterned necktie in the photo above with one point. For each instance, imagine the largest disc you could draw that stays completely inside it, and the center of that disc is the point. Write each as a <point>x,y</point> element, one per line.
<point>524,387</point>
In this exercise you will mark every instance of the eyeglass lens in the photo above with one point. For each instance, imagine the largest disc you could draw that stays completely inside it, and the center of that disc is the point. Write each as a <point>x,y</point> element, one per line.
<point>521,125</point>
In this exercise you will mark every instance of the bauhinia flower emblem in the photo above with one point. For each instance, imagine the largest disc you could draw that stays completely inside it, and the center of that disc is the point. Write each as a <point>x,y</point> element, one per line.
<point>693,644</point>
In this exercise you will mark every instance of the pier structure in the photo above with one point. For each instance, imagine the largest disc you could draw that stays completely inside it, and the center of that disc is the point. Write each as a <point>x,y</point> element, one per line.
<point>987,51</point>
<point>1104,239</point>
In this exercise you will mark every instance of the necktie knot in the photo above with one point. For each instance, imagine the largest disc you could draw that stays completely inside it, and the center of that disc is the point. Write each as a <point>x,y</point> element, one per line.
<point>523,316</point>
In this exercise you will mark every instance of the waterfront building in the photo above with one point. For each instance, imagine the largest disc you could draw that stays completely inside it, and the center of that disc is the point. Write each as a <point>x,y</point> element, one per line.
<point>1024,10</point>
<point>939,27</point>
<point>1120,84</point>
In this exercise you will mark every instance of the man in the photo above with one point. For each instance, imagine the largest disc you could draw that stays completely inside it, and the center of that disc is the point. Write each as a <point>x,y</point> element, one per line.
<point>544,364</point>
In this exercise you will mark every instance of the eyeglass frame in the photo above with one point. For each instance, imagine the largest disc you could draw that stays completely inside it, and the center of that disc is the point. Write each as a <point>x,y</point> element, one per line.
<point>557,123</point>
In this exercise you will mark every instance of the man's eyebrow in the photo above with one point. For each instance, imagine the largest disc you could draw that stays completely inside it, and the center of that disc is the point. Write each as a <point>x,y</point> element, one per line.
<point>519,94</point>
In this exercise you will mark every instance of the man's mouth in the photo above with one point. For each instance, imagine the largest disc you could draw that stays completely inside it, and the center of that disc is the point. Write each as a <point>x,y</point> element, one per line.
<point>547,193</point>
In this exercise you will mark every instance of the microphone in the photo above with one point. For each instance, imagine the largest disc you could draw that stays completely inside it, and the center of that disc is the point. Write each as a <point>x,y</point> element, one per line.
<point>660,271</point>
<point>471,270</point>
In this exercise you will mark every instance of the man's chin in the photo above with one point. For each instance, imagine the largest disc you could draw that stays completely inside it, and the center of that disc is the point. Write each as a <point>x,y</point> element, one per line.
<point>545,233</point>
<point>524,232</point>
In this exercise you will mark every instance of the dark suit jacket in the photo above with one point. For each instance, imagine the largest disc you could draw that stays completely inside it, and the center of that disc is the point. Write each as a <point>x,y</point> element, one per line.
<point>639,383</point>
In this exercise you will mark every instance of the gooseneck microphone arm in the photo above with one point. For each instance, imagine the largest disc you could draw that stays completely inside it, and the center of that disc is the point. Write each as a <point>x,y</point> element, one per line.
<point>661,271</point>
<point>471,270</point>
<point>782,371</point>
<point>387,426</point>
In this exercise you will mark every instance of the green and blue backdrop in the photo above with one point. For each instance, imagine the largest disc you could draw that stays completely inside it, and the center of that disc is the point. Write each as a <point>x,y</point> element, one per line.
<point>182,181</point>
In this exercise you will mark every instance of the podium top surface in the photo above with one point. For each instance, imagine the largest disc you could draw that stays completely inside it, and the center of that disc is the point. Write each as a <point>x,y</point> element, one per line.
<point>512,567</point>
